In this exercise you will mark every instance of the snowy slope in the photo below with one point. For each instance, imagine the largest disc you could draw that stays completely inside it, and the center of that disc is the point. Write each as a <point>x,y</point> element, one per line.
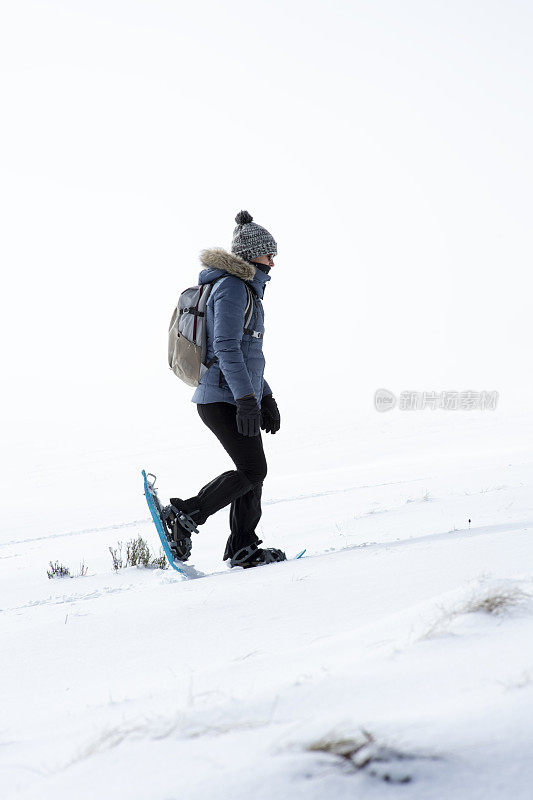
<point>394,660</point>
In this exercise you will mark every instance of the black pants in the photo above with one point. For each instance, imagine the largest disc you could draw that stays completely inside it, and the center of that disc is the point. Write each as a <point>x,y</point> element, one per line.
<point>242,487</point>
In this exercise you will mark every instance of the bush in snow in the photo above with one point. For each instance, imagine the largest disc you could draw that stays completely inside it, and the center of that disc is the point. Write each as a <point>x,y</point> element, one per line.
<point>57,570</point>
<point>83,570</point>
<point>160,561</point>
<point>116,555</point>
<point>138,554</point>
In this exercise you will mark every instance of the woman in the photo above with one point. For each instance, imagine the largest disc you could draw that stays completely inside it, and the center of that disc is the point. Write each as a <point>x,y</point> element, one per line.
<point>233,398</point>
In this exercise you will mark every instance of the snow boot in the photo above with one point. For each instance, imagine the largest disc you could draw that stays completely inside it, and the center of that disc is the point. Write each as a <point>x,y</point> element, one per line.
<point>179,525</point>
<point>253,556</point>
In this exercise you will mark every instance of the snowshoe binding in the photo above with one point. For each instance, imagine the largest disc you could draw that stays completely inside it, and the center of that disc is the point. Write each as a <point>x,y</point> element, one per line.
<point>179,525</point>
<point>254,556</point>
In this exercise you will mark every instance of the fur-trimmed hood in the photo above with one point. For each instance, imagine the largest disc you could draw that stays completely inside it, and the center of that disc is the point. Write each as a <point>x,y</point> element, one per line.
<point>217,261</point>
<point>218,258</point>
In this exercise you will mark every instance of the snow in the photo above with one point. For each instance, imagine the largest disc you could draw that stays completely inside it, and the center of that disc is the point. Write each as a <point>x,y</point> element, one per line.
<point>381,642</point>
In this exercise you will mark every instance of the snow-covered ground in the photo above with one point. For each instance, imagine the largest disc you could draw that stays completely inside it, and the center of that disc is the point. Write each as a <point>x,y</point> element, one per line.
<point>394,660</point>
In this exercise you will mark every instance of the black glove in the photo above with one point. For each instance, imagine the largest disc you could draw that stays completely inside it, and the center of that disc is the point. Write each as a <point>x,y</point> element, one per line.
<point>248,416</point>
<point>270,418</point>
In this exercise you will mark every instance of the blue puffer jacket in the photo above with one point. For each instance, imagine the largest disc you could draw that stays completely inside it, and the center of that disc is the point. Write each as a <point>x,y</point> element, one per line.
<point>240,363</point>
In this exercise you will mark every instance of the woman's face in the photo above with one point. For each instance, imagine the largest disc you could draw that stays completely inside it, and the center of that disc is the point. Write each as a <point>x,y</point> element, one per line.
<point>268,260</point>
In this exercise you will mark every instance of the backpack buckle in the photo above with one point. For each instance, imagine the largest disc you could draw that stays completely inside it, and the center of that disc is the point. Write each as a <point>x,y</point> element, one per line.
<point>255,334</point>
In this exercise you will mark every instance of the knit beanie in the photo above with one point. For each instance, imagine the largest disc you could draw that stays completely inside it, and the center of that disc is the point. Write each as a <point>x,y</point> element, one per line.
<point>250,240</point>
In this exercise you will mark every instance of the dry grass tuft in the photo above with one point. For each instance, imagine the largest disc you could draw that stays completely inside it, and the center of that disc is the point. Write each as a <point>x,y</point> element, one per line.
<point>496,599</point>
<point>362,752</point>
<point>343,747</point>
<point>495,602</point>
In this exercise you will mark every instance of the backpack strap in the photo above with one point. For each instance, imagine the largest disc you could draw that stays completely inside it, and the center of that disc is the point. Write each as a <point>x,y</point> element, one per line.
<point>249,310</point>
<point>255,334</point>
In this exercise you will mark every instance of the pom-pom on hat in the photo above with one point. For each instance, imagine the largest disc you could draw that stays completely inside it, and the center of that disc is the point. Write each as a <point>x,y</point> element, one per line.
<point>250,240</point>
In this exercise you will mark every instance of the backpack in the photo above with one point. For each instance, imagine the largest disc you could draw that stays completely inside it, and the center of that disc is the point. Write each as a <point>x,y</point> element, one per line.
<point>187,334</point>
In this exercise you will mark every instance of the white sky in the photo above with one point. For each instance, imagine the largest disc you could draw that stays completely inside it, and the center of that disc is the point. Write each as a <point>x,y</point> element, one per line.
<point>386,146</point>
